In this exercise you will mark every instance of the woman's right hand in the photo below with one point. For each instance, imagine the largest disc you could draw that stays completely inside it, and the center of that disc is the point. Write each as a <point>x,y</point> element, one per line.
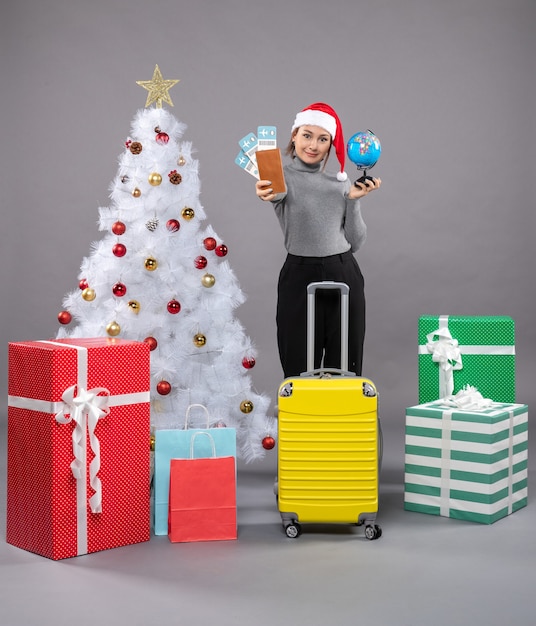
<point>264,190</point>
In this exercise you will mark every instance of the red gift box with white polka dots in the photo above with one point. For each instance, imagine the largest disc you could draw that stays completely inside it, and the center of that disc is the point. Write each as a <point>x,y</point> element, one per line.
<point>78,447</point>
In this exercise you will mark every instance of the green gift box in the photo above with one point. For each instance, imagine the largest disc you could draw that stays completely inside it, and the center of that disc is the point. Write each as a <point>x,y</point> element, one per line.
<point>455,351</point>
<point>467,465</point>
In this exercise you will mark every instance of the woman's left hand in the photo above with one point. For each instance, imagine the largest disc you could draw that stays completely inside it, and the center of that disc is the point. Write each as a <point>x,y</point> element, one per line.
<point>358,190</point>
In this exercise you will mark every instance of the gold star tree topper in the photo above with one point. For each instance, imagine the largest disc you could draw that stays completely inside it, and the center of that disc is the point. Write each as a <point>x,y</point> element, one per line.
<point>158,89</point>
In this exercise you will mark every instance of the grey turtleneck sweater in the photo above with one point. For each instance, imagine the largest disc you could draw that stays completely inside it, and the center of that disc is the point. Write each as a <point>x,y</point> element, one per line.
<point>315,214</point>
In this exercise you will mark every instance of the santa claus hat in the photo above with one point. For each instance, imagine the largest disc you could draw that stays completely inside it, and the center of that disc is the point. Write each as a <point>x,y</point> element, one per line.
<point>320,114</point>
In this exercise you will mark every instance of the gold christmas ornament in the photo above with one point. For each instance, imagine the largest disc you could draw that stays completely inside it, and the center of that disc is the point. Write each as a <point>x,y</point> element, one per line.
<point>200,340</point>
<point>181,161</point>
<point>113,329</point>
<point>134,306</point>
<point>208,280</point>
<point>155,179</point>
<point>136,192</point>
<point>188,213</point>
<point>151,264</point>
<point>152,442</point>
<point>89,294</point>
<point>158,89</point>
<point>246,406</point>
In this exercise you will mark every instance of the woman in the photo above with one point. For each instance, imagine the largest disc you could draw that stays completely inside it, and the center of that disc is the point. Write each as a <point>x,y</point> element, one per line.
<point>320,216</point>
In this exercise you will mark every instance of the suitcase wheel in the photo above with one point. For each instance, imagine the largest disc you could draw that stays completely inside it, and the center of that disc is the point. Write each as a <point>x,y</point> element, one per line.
<point>373,532</point>
<point>293,530</point>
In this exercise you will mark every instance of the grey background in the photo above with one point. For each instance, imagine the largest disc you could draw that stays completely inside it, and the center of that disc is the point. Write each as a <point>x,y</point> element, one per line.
<point>449,89</point>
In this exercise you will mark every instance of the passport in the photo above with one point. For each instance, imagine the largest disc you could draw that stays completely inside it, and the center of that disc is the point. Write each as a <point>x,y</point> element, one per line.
<point>270,166</point>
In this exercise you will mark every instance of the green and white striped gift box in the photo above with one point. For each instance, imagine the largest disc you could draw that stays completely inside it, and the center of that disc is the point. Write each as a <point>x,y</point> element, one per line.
<point>468,465</point>
<point>485,348</point>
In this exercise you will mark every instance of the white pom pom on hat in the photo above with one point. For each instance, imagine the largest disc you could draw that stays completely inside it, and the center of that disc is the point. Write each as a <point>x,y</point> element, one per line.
<point>320,114</point>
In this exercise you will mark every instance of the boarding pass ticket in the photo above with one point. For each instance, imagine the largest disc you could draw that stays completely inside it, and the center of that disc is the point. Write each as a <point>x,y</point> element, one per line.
<point>265,139</point>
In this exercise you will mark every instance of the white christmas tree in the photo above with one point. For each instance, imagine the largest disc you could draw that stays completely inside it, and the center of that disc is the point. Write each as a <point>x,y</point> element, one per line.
<point>159,276</point>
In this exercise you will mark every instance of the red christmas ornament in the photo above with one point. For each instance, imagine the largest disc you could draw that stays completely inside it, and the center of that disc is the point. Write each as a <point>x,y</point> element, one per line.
<point>200,262</point>
<point>64,317</point>
<point>173,225</point>
<point>173,307</point>
<point>221,250</point>
<point>268,443</point>
<point>162,138</point>
<point>119,290</point>
<point>152,343</point>
<point>248,362</point>
<point>209,243</point>
<point>119,249</point>
<point>163,387</point>
<point>118,228</point>
<point>83,284</point>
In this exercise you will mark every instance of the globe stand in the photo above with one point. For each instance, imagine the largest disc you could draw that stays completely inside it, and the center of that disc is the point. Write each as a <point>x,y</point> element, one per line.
<point>363,179</point>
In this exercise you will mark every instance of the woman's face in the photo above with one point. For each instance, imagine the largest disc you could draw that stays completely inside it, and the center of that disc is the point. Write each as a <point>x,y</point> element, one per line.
<point>311,144</point>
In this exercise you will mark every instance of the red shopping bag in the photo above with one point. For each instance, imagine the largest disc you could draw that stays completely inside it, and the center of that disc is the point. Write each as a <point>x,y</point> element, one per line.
<point>202,497</point>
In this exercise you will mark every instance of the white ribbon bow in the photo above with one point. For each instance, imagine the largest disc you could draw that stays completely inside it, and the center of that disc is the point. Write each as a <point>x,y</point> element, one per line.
<point>445,351</point>
<point>468,399</point>
<point>77,404</point>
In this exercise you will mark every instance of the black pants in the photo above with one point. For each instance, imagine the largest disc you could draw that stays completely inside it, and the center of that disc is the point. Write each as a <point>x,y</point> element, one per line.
<point>296,273</point>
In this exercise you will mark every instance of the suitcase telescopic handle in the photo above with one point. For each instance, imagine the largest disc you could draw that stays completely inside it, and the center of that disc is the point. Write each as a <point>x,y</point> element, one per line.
<point>311,294</point>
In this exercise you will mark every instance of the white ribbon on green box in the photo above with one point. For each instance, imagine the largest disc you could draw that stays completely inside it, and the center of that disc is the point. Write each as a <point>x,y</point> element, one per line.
<point>446,352</point>
<point>444,496</point>
<point>85,407</point>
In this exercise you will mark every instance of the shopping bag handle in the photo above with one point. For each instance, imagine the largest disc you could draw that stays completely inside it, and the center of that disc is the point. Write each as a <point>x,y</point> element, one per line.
<point>192,443</point>
<point>201,406</point>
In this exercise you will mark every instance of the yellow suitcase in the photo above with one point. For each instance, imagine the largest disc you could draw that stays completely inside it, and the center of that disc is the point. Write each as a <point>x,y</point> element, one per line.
<point>329,440</point>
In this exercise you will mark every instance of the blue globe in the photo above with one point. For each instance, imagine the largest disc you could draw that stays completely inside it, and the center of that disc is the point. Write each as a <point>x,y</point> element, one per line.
<point>364,149</point>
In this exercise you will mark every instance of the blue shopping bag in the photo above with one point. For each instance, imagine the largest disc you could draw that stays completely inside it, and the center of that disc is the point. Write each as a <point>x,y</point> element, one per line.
<point>175,444</point>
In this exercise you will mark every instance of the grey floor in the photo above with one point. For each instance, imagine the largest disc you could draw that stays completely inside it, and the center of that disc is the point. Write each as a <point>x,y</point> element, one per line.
<point>424,570</point>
